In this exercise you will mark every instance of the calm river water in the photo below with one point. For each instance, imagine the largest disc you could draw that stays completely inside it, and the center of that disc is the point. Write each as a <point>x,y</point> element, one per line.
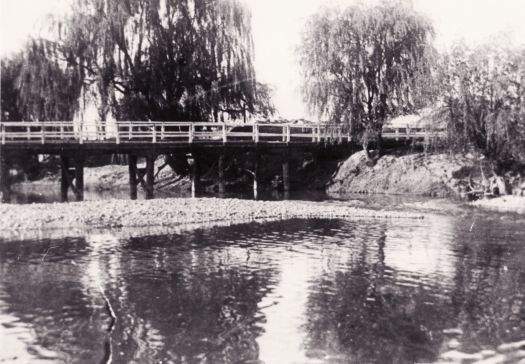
<point>298,291</point>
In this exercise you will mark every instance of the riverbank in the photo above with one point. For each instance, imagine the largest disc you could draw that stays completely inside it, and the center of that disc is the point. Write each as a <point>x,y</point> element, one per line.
<point>433,175</point>
<point>168,213</point>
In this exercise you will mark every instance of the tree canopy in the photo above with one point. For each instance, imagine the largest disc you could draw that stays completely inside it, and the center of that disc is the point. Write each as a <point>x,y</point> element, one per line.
<point>483,89</point>
<point>145,59</point>
<point>363,64</point>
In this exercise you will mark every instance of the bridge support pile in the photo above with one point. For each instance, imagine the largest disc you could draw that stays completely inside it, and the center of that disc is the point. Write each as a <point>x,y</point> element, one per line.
<point>286,175</point>
<point>144,176</point>
<point>195,174</point>
<point>72,177</point>
<point>5,186</point>
<point>256,173</point>
<point>221,166</point>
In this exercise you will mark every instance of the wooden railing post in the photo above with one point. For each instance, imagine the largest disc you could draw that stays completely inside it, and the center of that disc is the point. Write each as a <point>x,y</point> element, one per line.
<point>255,133</point>
<point>154,133</point>
<point>3,134</point>
<point>61,131</point>
<point>130,132</point>
<point>162,127</point>
<point>28,133</point>
<point>117,136</point>
<point>42,134</point>
<point>224,134</point>
<point>80,134</point>
<point>287,133</point>
<point>190,134</point>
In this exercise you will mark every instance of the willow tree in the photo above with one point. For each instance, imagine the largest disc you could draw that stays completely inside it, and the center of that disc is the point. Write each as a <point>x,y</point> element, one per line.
<point>483,89</point>
<point>159,59</point>
<point>364,64</point>
<point>9,72</point>
<point>47,88</point>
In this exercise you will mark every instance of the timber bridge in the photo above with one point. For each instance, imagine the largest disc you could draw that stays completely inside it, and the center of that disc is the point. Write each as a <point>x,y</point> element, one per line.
<point>73,142</point>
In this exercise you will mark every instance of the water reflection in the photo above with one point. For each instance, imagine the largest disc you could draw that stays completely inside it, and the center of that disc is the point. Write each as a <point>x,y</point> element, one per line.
<point>295,291</point>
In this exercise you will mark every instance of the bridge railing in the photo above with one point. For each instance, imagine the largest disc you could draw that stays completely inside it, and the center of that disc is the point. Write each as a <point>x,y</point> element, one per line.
<point>186,132</point>
<point>412,133</point>
<point>168,132</point>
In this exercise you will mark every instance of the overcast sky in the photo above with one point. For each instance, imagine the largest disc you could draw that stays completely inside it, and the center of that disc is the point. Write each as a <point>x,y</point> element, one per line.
<point>277,25</point>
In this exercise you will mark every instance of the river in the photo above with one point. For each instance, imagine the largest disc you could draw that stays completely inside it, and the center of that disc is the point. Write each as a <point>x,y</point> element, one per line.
<point>295,291</point>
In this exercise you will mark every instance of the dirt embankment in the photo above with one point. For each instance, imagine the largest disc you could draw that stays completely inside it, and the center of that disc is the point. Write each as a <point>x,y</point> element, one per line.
<point>418,174</point>
<point>439,175</point>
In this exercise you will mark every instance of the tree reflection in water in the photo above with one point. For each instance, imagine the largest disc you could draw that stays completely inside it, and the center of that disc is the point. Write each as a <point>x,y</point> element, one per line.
<point>368,311</point>
<point>328,290</point>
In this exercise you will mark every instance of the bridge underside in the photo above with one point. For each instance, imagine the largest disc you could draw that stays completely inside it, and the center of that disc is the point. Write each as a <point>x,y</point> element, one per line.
<point>73,156</point>
<point>163,148</point>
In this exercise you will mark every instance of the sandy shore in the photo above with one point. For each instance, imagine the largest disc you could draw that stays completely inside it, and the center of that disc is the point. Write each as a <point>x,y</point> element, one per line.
<point>165,214</point>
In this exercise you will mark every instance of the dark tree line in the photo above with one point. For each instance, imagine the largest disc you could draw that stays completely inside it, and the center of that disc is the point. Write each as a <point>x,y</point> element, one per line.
<point>143,59</point>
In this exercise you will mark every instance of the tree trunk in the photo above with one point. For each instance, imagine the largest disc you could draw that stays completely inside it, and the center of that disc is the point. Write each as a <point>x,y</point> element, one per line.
<point>379,146</point>
<point>367,152</point>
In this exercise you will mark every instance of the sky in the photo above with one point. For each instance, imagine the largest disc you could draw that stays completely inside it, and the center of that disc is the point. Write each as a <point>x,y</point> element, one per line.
<point>277,27</point>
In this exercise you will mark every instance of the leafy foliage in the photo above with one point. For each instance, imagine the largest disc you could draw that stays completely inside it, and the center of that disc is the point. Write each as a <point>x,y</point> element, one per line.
<point>10,69</point>
<point>484,93</point>
<point>146,59</point>
<point>48,88</point>
<point>362,65</point>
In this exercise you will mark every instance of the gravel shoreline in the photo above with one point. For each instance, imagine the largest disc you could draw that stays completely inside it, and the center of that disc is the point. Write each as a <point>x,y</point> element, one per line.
<point>28,220</point>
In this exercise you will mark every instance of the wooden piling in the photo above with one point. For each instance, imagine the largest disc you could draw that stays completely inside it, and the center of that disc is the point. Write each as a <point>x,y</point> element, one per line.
<point>256,173</point>
<point>5,187</point>
<point>132,167</point>
<point>221,166</point>
<point>79,178</point>
<point>150,176</point>
<point>195,175</point>
<point>286,175</point>
<point>64,178</point>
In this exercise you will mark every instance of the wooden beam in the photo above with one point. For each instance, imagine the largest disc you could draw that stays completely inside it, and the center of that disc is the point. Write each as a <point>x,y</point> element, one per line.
<point>256,173</point>
<point>79,177</point>
<point>221,166</point>
<point>132,168</point>
<point>195,175</point>
<point>64,178</point>
<point>286,174</point>
<point>150,176</point>
<point>5,185</point>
